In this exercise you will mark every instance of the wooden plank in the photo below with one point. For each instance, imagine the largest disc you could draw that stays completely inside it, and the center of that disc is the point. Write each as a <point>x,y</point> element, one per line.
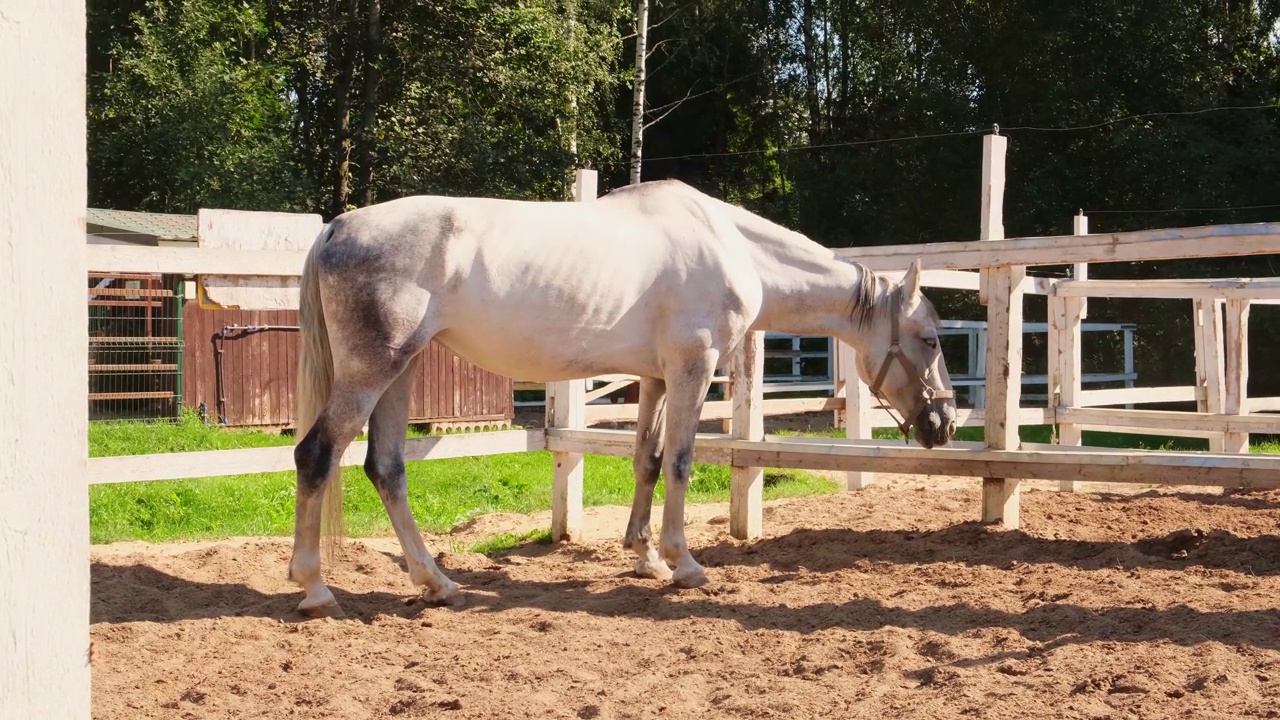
<point>746,498</point>
<point>609,388</point>
<point>1065,356</point>
<point>1220,288</point>
<point>218,463</point>
<point>622,443</point>
<point>254,231</point>
<point>1162,244</point>
<point>1156,432</point>
<point>1004,341</point>
<point>131,292</point>
<point>858,420</point>
<point>140,395</point>
<point>722,409</point>
<point>1172,420</point>
<point>132,340</point>
<point>1157,467</point>
<point>1054,465</point>
<point>138,367</point>
<point>1080,271</point>
<point>1236,378</point>
<point>1210,367</point>
<point>194,261</point>
<point>1135,395</point>
<point>566,408</point>
<point>44,509</point>
<point>943,279</point>
<point>1264,404</point>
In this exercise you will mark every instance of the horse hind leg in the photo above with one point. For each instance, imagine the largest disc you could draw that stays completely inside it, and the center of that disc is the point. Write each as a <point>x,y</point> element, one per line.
<point>317,457</point>
<point>384,464</point>
<point>647,464</point>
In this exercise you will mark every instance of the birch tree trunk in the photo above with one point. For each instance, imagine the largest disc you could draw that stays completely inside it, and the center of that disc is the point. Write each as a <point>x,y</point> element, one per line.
<point>637,102</point>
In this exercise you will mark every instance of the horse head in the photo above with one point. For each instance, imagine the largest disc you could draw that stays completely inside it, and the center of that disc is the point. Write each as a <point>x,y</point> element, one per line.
<point>901,360</point>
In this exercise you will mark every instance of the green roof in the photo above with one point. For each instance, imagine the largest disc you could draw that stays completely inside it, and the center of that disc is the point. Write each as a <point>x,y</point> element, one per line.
<point>162,226</point>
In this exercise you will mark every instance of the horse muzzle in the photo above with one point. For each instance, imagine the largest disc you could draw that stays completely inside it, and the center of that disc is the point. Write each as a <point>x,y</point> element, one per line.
<point>935,425</point>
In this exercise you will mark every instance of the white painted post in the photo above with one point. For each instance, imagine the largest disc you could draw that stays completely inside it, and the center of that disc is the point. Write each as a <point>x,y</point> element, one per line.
<point>1004,340</point>
<point>746,494</point>
<point>1065,316</point>
<point>1209,363</point>
<point>1236,337</point>
<point>44,498</point>
<point>857,409</point>
<point>567,408</point>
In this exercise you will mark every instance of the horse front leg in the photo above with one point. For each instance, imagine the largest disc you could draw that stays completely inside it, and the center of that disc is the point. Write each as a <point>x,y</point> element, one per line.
<point>686,392</point>
<point>647,464</point>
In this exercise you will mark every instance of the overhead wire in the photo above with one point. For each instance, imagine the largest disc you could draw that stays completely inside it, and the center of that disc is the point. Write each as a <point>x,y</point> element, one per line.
<point>957,133</point>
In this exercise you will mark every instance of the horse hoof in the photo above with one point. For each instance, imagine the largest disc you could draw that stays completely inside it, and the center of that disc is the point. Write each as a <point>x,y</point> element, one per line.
<point>655,570</point>
<point>450,598</point>
<point>329,609</point>
<point>689,579</point>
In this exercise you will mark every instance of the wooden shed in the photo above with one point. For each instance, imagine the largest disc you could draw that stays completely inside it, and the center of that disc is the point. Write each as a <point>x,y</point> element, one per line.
<point>241,367</point>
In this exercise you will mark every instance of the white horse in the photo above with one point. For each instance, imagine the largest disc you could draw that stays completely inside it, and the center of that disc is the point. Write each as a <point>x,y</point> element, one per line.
<point>656,280</point>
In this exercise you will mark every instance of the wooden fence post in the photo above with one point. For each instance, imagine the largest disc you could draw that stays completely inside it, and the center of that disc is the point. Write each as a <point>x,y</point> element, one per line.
<point>1003,297</point>
<point>746,376</point>
<point>1065,366</point>
<point>44,514</point>
<point>567,408</point>
<point>857,408</point>
<point>1236,337</point>
<point>1210,368</point>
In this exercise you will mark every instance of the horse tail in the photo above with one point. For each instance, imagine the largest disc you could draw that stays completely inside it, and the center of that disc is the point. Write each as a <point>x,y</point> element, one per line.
<point>315,380</point>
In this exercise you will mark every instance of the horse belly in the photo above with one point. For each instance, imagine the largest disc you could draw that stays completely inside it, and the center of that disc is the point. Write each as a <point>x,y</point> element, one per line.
<point>542,352</point>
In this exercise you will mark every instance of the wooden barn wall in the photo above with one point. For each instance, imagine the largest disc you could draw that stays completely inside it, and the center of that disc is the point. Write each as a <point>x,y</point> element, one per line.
<point>259,373</point>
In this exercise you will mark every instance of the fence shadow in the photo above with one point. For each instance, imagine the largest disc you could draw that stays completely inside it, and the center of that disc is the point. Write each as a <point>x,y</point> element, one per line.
<point>1231,497</point>
<point>140,593</point>
<point>977,545</point>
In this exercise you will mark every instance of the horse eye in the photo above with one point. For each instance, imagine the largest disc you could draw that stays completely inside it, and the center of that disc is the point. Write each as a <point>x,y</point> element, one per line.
<point>932,342</point>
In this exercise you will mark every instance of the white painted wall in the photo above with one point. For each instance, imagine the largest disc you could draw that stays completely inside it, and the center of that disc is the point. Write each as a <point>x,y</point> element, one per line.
<point>44,523</point>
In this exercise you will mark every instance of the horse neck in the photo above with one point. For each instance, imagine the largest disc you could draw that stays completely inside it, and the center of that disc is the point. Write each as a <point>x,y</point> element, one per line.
<point>815,299</point>
<point>807,289</point>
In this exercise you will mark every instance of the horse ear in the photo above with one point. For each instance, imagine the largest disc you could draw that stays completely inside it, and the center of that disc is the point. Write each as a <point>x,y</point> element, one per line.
<point>911,282</point>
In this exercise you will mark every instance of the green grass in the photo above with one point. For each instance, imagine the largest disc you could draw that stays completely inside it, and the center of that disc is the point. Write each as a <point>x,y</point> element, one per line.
<point>499,544</point>
<point>442,493</point>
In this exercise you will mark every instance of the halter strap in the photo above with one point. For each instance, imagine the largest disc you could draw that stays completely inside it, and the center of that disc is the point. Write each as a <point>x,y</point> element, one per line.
<point>927,394</point>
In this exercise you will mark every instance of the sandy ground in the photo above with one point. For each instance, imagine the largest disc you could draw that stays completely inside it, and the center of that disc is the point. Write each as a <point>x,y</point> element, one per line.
<point>889,602</point>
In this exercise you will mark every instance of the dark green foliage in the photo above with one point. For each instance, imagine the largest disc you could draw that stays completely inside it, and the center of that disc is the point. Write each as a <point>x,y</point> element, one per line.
<point>775,104</point>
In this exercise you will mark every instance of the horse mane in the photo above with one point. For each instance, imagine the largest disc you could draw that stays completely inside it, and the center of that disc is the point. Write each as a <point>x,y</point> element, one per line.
<point>863,308</point>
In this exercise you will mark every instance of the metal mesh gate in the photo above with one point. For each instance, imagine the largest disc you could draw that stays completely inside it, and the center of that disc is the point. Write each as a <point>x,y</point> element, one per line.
<point>135,346</point>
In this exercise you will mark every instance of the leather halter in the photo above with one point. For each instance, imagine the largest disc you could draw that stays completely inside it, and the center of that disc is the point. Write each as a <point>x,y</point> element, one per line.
<point>927,394</point>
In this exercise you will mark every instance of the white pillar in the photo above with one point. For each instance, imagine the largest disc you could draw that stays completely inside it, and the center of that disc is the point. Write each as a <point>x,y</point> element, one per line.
<point>44,514</point>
